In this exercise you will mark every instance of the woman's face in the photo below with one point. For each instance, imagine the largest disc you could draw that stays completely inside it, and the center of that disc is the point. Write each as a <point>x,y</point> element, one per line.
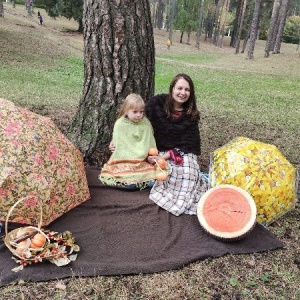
<point>181,92</point>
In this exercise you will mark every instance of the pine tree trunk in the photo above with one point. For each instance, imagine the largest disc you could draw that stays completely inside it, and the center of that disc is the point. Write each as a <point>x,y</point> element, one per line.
<point>217,23</point>
<point>1,9</point>
<point>254,29</point>
<point>80,26</point>
<point>240,27</point>
<point>236,24</point>
<point>199,28</point>
<point>245,43</point>
<point>118,60</point>
<point>181,37</point>
<point>282,19</point>
<point>160,8</point>
<point>271,32</point>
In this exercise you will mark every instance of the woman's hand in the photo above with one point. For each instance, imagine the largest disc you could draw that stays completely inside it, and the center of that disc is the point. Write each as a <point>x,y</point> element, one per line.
<point>112,146</point>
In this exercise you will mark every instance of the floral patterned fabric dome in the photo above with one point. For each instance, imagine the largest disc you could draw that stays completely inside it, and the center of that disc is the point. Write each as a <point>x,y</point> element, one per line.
<point>39,165</point>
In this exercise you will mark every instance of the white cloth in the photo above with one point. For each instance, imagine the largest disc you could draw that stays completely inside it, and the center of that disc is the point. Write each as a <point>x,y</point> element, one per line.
<point>183,189</point>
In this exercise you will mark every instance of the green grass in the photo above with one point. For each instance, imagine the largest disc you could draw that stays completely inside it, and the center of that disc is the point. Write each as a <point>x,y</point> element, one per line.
<point>59,83</point>
<point>235,89</point>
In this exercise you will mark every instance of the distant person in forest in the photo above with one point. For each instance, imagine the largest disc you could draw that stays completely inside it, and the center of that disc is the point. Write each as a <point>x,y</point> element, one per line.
<point>40,18</point>
<point>168,44</point>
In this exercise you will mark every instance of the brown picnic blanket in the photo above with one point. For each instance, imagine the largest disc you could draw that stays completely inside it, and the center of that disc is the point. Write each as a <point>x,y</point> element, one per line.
<point>123,232</point>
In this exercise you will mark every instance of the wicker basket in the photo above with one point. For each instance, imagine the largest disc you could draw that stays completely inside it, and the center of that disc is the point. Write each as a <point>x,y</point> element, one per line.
<point>13,238</point>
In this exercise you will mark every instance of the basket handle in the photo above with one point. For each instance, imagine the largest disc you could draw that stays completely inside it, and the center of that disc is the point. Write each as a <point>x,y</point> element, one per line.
<point>13,207</point>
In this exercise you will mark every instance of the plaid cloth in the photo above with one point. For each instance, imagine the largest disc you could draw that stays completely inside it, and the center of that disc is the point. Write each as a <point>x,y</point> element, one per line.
<point>184,188</point>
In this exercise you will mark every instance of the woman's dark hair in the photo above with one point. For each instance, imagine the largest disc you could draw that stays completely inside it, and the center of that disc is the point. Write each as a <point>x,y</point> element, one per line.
<point>189,106</point>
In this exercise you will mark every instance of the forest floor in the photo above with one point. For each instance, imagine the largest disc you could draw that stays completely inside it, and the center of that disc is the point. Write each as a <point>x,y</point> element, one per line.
<point>269,275</point>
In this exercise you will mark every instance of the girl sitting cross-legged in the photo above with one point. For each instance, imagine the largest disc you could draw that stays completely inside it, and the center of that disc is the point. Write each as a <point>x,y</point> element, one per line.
<point>132,139</point>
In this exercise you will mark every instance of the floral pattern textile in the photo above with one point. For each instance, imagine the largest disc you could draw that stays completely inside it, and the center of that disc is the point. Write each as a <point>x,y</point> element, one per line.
<point>39,165</point>
<point>261,170</point>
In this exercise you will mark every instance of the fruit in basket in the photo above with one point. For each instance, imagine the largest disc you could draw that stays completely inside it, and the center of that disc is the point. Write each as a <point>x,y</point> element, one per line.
<point>22,246</point>
<point>153,152</point>
<point>38,241</point>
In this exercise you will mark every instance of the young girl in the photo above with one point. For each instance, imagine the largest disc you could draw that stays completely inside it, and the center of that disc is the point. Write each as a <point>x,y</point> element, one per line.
<point>175,120</point>
<point>132,139</point>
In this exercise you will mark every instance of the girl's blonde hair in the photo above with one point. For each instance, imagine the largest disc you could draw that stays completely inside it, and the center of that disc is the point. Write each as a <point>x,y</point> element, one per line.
<point>132,101</point>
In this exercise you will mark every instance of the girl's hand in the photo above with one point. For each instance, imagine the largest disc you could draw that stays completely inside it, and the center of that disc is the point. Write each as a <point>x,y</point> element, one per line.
<point>151,159</point>
<point>112,146</point>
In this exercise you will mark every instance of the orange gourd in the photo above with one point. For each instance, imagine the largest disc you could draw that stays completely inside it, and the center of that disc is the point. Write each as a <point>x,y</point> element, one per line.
<point>153,152</point>
<point>161,176</point>
<point>38,241</point>
<point>161,163</point>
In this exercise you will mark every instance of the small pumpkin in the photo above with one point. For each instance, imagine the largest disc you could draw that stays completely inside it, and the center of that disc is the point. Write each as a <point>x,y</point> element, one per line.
<point>161,176</point>
<point>38,241</point>
<point>153,152</point>
<point>161,163</point>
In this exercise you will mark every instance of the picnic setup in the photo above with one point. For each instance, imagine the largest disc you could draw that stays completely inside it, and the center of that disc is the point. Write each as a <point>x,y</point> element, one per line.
<point>60,221</point>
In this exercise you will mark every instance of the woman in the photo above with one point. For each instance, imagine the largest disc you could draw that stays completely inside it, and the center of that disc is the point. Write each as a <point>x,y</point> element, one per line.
<point>175,120</point>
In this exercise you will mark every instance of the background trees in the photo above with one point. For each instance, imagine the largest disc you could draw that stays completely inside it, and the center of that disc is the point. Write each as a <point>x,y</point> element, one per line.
<point>231,17</point>
<point>66,8</point>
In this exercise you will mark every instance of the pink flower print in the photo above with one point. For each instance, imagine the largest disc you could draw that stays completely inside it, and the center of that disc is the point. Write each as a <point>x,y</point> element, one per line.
<point>70,189</point>
<point>31,201</point>
<point>52,152</point>
<point>3,192</point>
<point>16,143</point>
<point>53,200</point>
<point>13,128</point>
<point>29,123</point>
<point>38,160</point>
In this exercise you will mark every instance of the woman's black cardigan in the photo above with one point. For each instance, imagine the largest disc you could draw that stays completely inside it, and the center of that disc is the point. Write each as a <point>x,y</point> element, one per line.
<point>169,133</point>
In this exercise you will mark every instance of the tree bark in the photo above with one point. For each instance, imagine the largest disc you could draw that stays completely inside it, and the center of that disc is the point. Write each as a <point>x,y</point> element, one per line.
<point>1,9</point>
<point>80,26</point>
<point>282,19</point>
<point>223,21</point>
<point>236,24</point>
<point>240,26</point>
<point>217,23</point>
<point>276,6</point>
<point>118,60</point>
<point>210,19</point>
<point>199,28</point>
<point>254,29</point>
<point>160,10</point>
